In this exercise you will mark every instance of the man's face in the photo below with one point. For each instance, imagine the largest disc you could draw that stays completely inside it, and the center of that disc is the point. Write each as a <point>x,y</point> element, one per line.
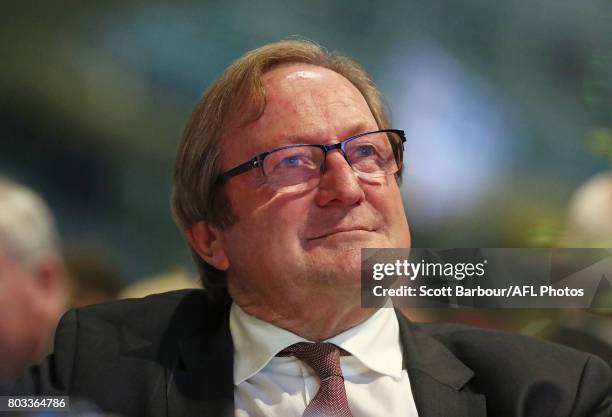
<point>288,244</point>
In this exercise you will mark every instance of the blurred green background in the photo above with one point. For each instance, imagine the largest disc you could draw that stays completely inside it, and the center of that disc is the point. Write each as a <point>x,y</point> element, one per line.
<point>507,107</point>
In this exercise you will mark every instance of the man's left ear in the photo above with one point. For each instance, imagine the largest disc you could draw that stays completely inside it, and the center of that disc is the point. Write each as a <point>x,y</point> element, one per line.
<point>205,240</point>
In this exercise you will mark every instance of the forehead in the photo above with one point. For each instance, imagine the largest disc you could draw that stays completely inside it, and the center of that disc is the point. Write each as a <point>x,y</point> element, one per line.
<point>304,104</point>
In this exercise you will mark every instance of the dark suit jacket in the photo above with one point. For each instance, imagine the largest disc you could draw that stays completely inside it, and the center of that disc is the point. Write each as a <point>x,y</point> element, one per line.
<point>172,355</point>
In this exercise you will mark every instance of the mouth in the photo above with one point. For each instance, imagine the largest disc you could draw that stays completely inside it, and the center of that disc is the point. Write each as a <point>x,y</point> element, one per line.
<point>344,230</point>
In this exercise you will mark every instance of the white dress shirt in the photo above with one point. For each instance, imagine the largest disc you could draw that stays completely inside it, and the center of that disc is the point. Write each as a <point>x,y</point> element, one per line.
<point>267,385</point>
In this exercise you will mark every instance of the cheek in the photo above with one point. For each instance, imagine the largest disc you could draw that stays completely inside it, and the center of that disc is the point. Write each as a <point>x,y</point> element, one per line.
<point>387,201</point>
<point>266,233</point>
<point>278,228</point>
<point>273,217</point>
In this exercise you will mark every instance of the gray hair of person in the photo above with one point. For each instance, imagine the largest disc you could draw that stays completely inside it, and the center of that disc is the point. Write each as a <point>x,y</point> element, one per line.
<point>238,97</point>
<point>27,227</point>
<point>589,215</point>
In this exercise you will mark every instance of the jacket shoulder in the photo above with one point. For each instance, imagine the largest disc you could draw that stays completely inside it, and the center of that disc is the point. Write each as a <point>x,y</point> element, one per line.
<point>505,352</point>
<point>155,310</point>
<point>515,370</point>
<point>158,320</point>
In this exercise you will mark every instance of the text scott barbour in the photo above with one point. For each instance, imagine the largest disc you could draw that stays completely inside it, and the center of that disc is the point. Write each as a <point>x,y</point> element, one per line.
<point>460,291</point>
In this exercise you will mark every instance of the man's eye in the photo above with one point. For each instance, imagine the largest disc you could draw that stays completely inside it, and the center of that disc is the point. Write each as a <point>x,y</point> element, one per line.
<point>291,161</point>
<point>363,151</point>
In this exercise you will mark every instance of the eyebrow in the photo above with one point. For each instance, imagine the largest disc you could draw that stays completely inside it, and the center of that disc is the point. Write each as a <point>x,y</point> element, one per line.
<point>356,129</point>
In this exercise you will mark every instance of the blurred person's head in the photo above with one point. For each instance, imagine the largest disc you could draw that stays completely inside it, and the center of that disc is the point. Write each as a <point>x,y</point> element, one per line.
<point>301,242</point>
<point>32,288</point>
<point>589,222</point>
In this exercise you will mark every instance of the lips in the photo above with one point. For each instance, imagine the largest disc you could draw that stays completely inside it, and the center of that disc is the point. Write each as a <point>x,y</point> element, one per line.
<point>342,230</point>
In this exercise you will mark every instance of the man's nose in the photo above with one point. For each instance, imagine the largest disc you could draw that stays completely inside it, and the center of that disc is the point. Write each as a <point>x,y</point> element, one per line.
<point>339,184</point>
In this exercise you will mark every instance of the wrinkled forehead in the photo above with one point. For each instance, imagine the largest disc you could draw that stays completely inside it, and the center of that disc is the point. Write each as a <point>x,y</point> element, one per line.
<point>304,103</point>
<point>291,83</point>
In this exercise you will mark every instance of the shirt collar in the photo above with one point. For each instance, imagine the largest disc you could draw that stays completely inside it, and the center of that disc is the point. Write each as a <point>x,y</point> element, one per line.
<point>374,342</point>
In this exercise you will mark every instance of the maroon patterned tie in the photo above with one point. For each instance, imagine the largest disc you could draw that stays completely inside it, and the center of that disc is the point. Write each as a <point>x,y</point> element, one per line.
<point>323,358</point>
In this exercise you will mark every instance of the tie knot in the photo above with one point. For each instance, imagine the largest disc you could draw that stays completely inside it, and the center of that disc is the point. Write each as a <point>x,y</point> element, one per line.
<point>323,358</point>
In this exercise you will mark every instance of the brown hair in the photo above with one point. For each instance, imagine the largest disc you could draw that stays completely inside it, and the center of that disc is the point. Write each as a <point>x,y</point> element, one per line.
<point>197,194</point>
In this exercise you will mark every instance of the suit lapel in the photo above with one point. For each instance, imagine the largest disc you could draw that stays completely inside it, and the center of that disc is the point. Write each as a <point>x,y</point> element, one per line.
<point>201,381</point>
<point>439,380</point>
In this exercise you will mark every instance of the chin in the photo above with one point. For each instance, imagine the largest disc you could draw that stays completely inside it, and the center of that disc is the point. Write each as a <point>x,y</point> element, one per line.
<point>342,269</point>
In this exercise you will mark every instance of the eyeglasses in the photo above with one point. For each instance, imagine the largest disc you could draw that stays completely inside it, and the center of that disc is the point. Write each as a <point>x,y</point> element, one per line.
<point>372,156</point>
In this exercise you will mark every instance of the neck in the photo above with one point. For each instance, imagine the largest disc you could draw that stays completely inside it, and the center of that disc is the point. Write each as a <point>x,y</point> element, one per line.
<point>317,317</point>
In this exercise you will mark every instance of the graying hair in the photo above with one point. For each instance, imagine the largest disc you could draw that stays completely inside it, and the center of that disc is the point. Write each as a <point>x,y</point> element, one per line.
<point>27,226</point>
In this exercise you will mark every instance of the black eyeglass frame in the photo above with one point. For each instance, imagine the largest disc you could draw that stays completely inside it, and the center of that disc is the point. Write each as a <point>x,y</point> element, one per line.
<point>257,161</point>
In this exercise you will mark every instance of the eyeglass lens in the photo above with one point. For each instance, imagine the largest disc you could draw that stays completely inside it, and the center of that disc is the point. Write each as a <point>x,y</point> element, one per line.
<point>371,156</point>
